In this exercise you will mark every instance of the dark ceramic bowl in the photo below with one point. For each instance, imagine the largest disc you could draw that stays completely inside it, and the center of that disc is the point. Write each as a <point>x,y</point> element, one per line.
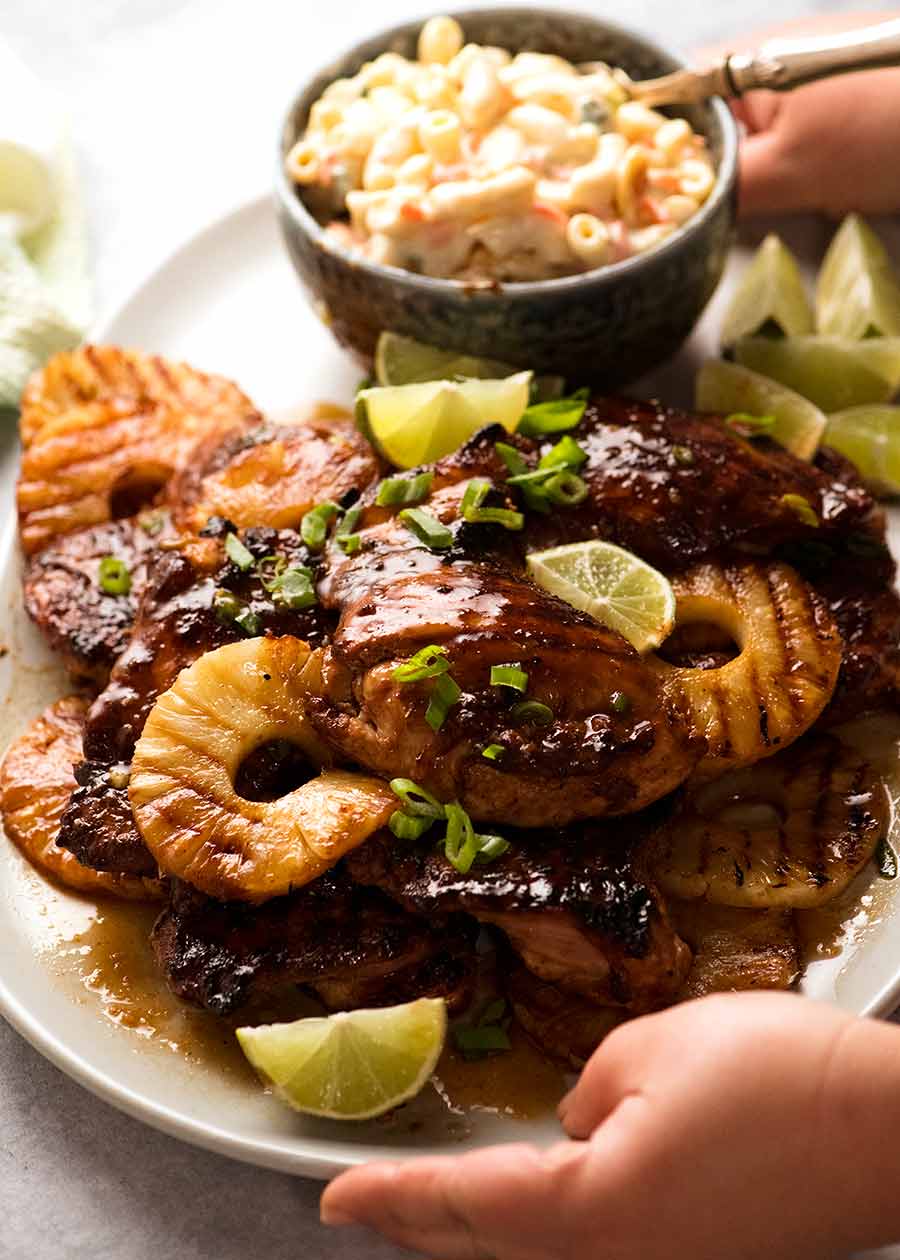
<point>606,326</point>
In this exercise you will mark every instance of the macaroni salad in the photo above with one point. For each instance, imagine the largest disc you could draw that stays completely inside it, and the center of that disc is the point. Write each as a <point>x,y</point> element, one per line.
<point>470,163</point>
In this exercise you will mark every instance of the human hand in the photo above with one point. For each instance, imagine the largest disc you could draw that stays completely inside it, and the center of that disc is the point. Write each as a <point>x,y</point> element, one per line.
<point>830,146</point>
<point>727,1128</point>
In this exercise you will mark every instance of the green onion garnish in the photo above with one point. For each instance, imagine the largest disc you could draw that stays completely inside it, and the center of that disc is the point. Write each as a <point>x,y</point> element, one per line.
<point>514,460</point>
<point>237,553</point>
<point>394,490</point>
<point>478,1041</point>
<point>532,711</point>
<point>491,847</point>
<point>509,676</point>
<point>493,752</point>
<point>460,842</point>
<point>113,576</point>
<point>152,522</point>
<point>427,528</point>
<point>294,588</point>
<point>314,525</point>
<point>348,541</point>
<point>409,826</point>
<point>471,510</point>
<point>801,508</point>
<point>248,621</point>
<point>444,694</point>
<point>565,454</point>
<point>228,608</point>
<point>416,800</point>
<point>426,663</point>
<point>553,417</point>
<point>749,426</point>
<point>619,702</point>
<point>683,455</point>
<point>566,489</point>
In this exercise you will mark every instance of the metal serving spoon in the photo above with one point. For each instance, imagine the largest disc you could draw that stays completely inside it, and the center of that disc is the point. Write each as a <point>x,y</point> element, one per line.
<point>778,65</point>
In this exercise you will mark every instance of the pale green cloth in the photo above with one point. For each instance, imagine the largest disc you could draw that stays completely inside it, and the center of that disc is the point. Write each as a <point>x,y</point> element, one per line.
<point>45,294</point>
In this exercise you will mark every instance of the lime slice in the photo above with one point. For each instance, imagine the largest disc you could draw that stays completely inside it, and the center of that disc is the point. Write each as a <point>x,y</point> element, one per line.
<point>870,437</point>
<point>614,586</point>
<point>857,294</point>
<point>730,387</point>
<point>353,1065</point>
<point>415,424</point>
<point>770,294</point>
<point>404,361</point>
<point>832,372</point>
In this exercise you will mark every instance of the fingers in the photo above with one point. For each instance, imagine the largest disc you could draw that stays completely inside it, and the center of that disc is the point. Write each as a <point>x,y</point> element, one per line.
<point>500,1202</point>
<point>605,1081</point>
<point>769,181</point>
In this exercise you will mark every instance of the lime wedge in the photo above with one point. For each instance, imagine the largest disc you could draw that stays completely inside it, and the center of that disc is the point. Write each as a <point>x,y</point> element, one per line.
<point>730,387</point>
<point>832,372</point>
<point>770,294</point>
<point>404,361</point>
<point>857,294</point>
<point>415,424</point>
<point>870,437</point>
<point>614,586</point>
<point>353,1065</point>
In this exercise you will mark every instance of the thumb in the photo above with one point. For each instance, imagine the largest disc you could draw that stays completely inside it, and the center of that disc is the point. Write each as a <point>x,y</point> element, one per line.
<point>607,1079</point>
<point>769,181</point>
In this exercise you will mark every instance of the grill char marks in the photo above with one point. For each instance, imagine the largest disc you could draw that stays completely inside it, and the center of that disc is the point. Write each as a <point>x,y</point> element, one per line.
<point>63,595</point>
<point>352,945</point>
<point>574,910</point>
<point>98,826</point>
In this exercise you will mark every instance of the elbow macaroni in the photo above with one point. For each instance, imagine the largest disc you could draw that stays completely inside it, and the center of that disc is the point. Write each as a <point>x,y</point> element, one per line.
<point>473,163</point>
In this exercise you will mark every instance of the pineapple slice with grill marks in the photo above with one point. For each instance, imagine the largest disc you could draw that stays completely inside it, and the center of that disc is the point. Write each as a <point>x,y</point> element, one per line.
<point>791,831</point>
<point>104,429</point>
<point>785,671</point>
<point>222,708</point>
<point>36,781</point>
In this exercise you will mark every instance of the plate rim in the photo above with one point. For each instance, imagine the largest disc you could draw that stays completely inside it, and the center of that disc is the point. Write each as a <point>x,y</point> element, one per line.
<point>271,1152</point>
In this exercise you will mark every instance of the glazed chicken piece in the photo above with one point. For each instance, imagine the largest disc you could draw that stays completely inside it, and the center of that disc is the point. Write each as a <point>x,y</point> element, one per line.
<point>736,950</point>
<point>565,1026</point>
<point>273,474</point>
<point>353,946</point>
<point>573,908</point>
<point>594,753</point>
<point>88,626</point>
<point>104,429</point>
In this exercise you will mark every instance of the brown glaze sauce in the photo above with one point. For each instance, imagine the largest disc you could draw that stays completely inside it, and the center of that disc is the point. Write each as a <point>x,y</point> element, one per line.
<point>101,950</point>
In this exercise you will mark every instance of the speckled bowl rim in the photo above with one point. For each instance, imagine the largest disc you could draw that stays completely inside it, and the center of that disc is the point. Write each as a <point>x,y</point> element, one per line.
<point>726,171</point>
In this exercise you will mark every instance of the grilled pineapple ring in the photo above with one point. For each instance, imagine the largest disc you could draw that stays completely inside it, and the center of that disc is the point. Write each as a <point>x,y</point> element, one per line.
<point>228,703</point>
<point>36,781</point>
<point>780,681</point>
<point>820,809</point>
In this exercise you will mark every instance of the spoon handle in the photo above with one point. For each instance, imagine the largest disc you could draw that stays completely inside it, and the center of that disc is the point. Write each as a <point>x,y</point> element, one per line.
<point>781,64</point>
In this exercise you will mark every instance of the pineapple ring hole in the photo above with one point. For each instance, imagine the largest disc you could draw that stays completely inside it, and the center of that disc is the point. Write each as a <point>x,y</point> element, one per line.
<point>136,488</point>
<point>273,769</point>
<point>699,644</point>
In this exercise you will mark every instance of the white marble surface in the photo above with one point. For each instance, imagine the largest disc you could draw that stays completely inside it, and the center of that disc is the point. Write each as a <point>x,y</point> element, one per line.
<point>174,105</point>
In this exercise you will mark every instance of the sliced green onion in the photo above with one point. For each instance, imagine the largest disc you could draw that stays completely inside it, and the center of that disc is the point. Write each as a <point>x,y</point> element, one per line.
<point>237,553</point>
<point>471,510</point>
<point>553,417</point>
<point>409,826</point>
<point>348,541</point>
<point>532,711</point>
<point>683,455</point>
<point>426,663</point>
<point>152,522</point>
<point>460,842</point>
<point>493,752</point>
<point>294,588</point>
<point>427,528</point>
<point>801,508</point>
<point>509,676</point>
<point>394,490</point>
<point>314,525</point>
<point>490,1038</point>
<point>492,1013</point>
<point>226,604</point>
<point>248,621</point>
<point>566,489</point>
<point>747,425</point>
<point>490,848</point>
<point>416,800</point>
<point>886,860</point>
<point>514,460</point>
<point>113,576</point>
<point>565,454</point>
<point>444,694</point>
<point>620,702</point>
